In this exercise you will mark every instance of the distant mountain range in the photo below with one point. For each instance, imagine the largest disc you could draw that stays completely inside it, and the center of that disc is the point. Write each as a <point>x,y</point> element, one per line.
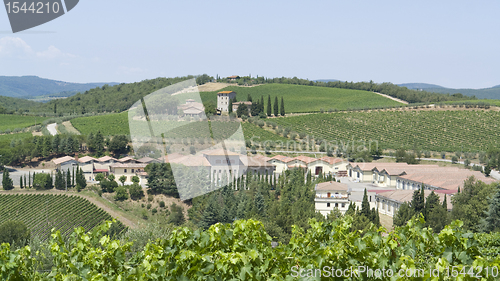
<point>486,93</point>
<point>33,87</point>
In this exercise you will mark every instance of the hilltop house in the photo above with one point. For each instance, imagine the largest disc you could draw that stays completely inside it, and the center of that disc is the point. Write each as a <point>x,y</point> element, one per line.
<point>192,108</point>
<point>65,163</point>
<point>331,195</point>
<point>233,78</point>
<point>223,100</point>
<point>324,165</point>
<point>388,202</point>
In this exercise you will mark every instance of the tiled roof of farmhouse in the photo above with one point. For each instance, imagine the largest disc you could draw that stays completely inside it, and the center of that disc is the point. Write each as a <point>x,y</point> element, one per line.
<point>257,162</point>
<point>305,159</point>
<point>399,170</point>
<point>58,161</point>
<point>219,152</point>
<point>448,178</point>
<point>172,156</point>
<point>331,160</point>
<point>86,159</point>
<point>260,156</point>
<point>106,158</point>
<point>225,92</point>
<point>191,160</point>
<point>331,186</point>
<point>125,159</point>
<point>402,196</point>
<point>128,165</point>
<point>364,166</point>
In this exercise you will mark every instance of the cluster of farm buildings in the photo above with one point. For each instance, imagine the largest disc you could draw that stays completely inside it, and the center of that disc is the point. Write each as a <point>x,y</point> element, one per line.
<point>394,182</point>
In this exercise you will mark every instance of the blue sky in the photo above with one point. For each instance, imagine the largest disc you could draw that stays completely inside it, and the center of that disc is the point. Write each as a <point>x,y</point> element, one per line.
<point>450,43</point>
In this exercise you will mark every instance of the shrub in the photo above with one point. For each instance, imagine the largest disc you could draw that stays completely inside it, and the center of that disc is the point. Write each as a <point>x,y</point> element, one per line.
<point>154,211</point>
<point>136,192</point>
<point>145,214</point>
<point>148,206</point>
<point>162,204</point>
<point>150,198</point>
<point>121,194</point>
<point>14,233</point>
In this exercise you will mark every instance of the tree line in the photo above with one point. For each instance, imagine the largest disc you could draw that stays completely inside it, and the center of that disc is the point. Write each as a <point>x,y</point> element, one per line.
<point>258,108</point>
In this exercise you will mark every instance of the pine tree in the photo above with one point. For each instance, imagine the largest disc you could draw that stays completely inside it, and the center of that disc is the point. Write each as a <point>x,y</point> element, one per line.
<point>282,107</point>
<point>260,208</point>
<point>269,105</point>
<point>211,213</point>
<point>276,106</point>
<point>351,211</point>
<point>7,181</point>
<point>21,182</point>
<point>404,214</point>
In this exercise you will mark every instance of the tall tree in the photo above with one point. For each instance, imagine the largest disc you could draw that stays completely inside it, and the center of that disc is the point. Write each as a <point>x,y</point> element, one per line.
<point>404,214</point>
<point>469,206</point>
<point>68,178</point>
<point>282,107</point>
<point>417,202</point>
<point>230,106</point>
<point>276,106</point>
<point>492,220</point>
<point>269,105</point>
<point>7,181</point>
<point>59,182</point>
<point>21,182</point>
<point>81,183</point>
<point>365,206</point>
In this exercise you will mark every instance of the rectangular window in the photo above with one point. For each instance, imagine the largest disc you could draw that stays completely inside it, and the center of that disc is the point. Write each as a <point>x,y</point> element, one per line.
<point>125,170</point>
<point>327,205</point>
<point>132,170</point>
<point>343,205</point>
<point>336,205</point>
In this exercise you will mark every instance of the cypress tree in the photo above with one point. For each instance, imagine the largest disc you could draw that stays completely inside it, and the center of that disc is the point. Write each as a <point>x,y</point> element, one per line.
<point>68,178</point>
<point>7,181</point>
<point>73,180</point>
<point>230,107</point>
<point>25,182</point>
<point>492,220</point>
<point>269,106</point>
<point>29,179</point>
<point>282,107</point>
<point>445,204</point>
<point>249,98</point>
<point>365,206</point>
<point>276,106</point>
<point>21,182</point>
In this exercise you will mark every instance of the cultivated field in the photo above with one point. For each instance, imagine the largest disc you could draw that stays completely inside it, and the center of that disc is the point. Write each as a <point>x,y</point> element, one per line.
<point>42,212</point>
<point>299,98</point>
<point>450,130</point>
<point>12,122</point>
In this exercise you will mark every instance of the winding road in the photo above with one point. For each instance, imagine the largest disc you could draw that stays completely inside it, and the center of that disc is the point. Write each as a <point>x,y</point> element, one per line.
<point>52,129</point>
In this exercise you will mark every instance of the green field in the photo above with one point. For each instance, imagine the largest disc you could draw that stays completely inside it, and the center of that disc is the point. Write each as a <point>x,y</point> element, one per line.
<point>491,102</point>
<point>300,98</point>
<point>451,130</point>
<point>6,139</point>
<point>11,122</point>
<point>109,125</point>
<point>42,212</point>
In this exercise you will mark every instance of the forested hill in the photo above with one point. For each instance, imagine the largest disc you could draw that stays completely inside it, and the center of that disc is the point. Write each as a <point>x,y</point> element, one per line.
<point>116,98</point>
<point>485,93</point>
<point>9,105</point>
<point>32,86</point>
<point>120,97</point>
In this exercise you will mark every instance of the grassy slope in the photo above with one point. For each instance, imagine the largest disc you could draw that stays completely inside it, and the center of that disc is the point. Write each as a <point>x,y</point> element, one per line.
<point>11,122</point>
<point>427,130</point>
<point>300,98</point>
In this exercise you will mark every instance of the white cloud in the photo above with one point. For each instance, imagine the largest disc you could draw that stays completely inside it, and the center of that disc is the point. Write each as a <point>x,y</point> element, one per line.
<point>15,47</point>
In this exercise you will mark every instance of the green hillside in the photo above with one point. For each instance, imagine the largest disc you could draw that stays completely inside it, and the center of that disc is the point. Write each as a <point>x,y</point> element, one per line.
<point>450,130</point>
<point>42,212</point>
<point>300,98</point>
